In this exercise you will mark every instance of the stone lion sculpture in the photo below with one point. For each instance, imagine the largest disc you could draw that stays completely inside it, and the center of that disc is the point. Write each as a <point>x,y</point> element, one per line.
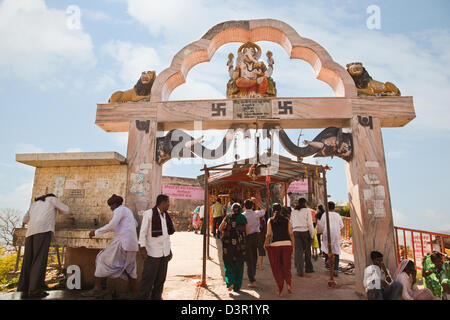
<point>366,86</point>
<point>141,90</point>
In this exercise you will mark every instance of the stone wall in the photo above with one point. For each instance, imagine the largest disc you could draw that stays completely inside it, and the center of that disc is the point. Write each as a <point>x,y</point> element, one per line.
<point>181,208</point>
<point>85,189</point>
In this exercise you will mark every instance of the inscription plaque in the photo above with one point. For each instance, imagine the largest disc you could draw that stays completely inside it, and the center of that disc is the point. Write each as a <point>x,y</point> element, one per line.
<point>252,109</point>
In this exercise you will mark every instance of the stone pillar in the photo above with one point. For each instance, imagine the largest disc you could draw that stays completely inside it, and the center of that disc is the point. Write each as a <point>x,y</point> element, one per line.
<point>370,203</point>
<point>144,173</point>
<point>85,259</point>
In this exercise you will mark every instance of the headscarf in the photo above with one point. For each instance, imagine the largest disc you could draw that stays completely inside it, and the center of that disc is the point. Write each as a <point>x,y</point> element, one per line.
<point>45,196</point>
<point>236,204</point>
<point>115,199</point>
<point>401,267</point>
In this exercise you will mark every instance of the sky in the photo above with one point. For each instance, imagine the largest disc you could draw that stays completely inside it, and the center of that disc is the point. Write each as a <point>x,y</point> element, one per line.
<point>58,59</point>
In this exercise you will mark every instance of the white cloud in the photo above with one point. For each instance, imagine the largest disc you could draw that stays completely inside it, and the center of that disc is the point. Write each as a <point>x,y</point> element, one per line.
<point>400,219</point>
<point>196,90</point>
<point>132,59</point>
<point>434,215</point>
<point>37,43</point>
<point>74,150</point>
<point>95,15</point>
<point>120,138</point>
<point>27,148</point>
<point>168,14</point>
<point>104,82</point>
<point>18,199</point>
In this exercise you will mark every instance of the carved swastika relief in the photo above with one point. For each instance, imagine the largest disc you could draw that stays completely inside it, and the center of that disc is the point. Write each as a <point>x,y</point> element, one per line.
<point>218,109</point>
<point>284,107</point>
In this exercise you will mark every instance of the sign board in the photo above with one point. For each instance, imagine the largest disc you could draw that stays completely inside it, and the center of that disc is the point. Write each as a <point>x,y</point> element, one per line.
<point>71,184</point>
<point>299,186</point>
<point>102,183</point>
<point>418,247</point>
<point>183,192</point>
<point>75,193</point>
<point>252,109</point>
<point>58,187</point>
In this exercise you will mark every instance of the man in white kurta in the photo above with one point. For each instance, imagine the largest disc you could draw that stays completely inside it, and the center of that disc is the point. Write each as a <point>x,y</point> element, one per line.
<point>40,220</point>
<point>118,259</point>
<point>336,225</point>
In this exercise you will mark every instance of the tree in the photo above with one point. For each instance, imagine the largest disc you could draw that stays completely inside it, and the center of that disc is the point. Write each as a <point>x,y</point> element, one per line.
<point>10,219</point>
<point>345,211</point>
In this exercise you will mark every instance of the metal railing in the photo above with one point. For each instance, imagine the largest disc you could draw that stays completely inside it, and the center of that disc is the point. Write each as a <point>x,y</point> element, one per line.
<point>346,232</point>
<point>415,244</point>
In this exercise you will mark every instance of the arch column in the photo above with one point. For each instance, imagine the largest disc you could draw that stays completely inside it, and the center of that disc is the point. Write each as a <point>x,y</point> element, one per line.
<point>369,198</point>
<point>144,173</point>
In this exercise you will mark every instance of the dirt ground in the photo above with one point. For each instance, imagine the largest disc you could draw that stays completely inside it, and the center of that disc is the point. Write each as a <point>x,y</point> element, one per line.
<point>185,268</point>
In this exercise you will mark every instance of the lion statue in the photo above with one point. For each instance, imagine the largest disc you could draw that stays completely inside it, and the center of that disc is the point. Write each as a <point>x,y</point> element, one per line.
<point>366,86</point>
<point>141,90</point>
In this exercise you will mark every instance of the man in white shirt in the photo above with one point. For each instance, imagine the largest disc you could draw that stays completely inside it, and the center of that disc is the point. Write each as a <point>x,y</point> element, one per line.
<point>303,228</point>
<point>40,221</point>
<point>336,225</point>
<point>378,281</point>
<point>118,259</point>
<point>252,238</point>
<point>154,242</point>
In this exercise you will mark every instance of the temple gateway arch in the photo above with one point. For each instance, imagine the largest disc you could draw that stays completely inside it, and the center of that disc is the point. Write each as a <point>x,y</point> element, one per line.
<point>363,115</point>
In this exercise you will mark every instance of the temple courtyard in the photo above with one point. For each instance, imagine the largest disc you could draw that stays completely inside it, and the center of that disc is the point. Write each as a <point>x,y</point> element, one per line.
<point>185,271</point>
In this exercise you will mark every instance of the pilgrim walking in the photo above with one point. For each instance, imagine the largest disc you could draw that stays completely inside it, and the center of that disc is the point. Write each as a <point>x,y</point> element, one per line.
<point>118,259</point>
<point>40,221</point>
<point>154,242</point>
<point>303,228</point>
<point>234,228</point>
<point>336,225</point>
<point>252,238</point>
<point>281,249</point>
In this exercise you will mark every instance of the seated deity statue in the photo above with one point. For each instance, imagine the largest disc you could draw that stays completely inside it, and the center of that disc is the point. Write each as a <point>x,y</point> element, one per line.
<point>250,78</point>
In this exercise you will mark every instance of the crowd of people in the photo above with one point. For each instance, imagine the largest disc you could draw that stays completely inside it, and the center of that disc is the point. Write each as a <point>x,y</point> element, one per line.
<point>248,231</point>
<point>301,233</point>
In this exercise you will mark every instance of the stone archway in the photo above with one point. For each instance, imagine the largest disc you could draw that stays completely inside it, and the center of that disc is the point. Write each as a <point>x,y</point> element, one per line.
<point>276,31</point>
<point>368,189</point>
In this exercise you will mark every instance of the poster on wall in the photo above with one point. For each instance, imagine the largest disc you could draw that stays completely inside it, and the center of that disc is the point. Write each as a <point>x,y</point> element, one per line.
<point>71,184</point>
<point>299,186</point>
<point>102,183</point>
<point>183,192</point>
<point>58,186</point>
<point>137,183</point>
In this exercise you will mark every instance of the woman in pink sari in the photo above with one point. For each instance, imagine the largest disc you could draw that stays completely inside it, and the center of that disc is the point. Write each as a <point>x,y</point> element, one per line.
<point>406,275</point>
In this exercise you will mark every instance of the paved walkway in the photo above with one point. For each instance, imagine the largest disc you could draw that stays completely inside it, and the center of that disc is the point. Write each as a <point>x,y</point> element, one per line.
<point>186,266</point>
<point>185,270</point>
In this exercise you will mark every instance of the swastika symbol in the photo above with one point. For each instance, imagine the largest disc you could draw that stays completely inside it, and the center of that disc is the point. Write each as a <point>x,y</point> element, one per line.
<point>218,109</point>
<point>284,107</point>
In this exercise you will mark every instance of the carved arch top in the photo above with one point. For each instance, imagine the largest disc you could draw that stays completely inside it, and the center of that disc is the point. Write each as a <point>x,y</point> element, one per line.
<point>297,47</point>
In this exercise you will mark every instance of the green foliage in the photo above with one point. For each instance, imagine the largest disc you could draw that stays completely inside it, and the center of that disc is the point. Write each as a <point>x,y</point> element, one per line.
<point>7,264</point>
<point>345,211</point>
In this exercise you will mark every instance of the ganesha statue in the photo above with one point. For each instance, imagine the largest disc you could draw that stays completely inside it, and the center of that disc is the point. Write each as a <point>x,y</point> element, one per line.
<point>250,78</point>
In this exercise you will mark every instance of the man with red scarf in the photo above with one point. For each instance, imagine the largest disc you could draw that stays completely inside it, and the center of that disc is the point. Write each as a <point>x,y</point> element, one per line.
<point>154,242</point>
